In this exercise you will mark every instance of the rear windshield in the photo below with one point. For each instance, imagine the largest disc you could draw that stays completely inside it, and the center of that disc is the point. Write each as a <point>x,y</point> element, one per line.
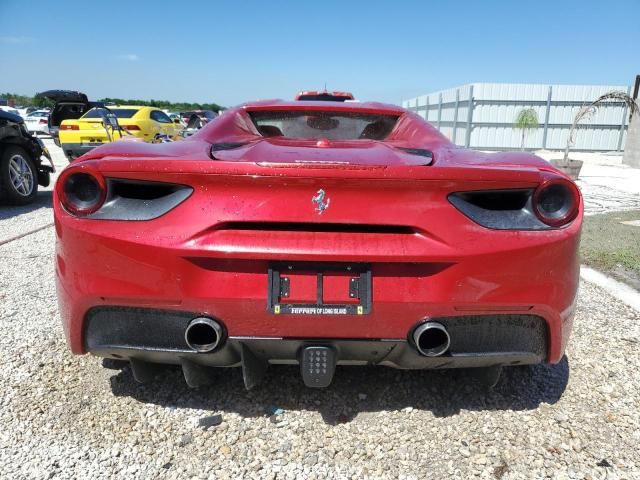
<point>120,113</point>
<point>323,124</point>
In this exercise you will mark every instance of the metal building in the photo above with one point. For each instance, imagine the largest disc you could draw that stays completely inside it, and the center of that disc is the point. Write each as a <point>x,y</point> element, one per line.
<point>482,116</point>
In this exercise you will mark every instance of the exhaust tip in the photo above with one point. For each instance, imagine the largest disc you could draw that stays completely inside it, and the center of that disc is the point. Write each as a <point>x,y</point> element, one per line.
<point>203,334</point>
<point>431,339</point>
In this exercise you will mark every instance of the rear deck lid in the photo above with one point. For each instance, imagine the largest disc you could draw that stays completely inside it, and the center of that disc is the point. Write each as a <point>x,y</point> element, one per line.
<point>69,105</point>
<point>288,152</point>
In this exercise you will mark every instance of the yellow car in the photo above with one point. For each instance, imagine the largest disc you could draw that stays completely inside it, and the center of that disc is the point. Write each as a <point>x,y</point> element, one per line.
<point>92,129</point>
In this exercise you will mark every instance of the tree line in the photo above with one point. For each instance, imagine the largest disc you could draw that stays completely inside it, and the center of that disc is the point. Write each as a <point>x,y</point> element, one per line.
<point>164,104</point>
<point>27,101</point>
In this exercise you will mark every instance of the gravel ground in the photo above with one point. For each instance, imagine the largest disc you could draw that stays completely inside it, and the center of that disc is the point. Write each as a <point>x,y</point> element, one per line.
<point>604,199</point>
<point>69,417</point>
<point>606,183</point>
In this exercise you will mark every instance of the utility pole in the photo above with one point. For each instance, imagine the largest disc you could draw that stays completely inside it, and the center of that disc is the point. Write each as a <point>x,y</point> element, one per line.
<point>631,154</point>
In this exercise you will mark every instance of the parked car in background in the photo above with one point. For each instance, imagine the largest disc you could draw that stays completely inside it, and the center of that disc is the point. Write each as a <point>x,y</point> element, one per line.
<point>38,122</point>
<point>21,165</point>
<point>196,119</point>
<point>11,110</point>
<point>176,118</point>
<point>205,116</point>
<point>68,105</point>
<point>25,111</point>
<point>90,131</point>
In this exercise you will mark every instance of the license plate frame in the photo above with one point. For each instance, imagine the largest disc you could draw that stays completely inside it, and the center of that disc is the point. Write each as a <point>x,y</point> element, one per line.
<point>360,288</point>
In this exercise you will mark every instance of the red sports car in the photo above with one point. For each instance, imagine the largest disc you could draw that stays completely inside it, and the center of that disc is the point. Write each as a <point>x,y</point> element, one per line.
<point>320,234</point>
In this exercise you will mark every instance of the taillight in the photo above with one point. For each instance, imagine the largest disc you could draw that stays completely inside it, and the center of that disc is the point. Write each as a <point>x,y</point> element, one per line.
<point>69,127</point>
<point>553,204</point>
<point>43,121</point>
<point>556,202</point>
<point>130,127</point>
<point>81,192</point>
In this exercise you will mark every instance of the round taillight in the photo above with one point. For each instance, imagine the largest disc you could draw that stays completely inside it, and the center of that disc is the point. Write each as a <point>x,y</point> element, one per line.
<point>82,193</point>
<point>556,202</point>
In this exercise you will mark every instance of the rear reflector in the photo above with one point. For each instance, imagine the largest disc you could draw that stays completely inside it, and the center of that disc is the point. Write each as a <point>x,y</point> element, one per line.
<point>69,127</point>
<point>130,127</point>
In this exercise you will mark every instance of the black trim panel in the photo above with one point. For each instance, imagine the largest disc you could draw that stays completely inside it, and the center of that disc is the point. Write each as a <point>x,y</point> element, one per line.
<point>118,207</point>
<point>499,218</point>
<point>158,336</point>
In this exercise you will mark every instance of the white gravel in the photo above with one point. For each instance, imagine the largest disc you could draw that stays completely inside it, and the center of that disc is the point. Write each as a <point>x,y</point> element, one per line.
<point>64,416</point>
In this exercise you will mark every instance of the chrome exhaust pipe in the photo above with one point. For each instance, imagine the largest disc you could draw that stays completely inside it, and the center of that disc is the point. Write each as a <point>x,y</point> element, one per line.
<point>203,334</point>
<point>431,339</point>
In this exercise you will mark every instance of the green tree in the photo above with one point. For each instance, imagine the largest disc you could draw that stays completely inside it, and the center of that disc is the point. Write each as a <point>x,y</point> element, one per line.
<point>21,100</point>
<point>526,120</point>
<point>42,102</point>
<point>175,106</point>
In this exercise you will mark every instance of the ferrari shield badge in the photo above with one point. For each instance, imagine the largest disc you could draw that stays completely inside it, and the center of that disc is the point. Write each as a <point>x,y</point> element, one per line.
<point>321,200</point>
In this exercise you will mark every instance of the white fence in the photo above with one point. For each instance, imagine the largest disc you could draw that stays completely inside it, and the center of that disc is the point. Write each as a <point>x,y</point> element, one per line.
<point>482,116</point>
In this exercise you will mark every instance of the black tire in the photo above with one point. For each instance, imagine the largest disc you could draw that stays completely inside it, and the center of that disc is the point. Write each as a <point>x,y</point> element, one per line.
<point>9,193</point>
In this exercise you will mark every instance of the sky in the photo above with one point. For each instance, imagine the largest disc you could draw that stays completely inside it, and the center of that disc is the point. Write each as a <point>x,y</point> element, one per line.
<point>229,52</point>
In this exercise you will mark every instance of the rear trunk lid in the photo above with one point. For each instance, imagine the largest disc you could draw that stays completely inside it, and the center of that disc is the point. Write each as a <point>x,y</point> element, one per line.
<point>64,96</point>
<point>90,131</point>
<point>69,104</point>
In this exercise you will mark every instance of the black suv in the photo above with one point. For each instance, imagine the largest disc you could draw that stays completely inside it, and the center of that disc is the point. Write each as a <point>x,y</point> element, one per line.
<point>21,167</point>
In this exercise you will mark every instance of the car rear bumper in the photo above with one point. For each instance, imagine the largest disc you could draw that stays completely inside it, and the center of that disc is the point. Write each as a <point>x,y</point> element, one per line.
<point>159,336</point>
<point>91,140</point>
<point>147,337</point>
<point>95,274</point>
<point>75,150</point>
<point>38,129</point>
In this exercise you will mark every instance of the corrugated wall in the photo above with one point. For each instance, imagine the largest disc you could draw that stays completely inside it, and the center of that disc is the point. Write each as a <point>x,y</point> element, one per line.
<point>481,115</point>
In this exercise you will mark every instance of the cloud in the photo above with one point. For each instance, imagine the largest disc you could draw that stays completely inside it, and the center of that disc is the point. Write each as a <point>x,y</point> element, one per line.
<point>17,40</point>
<point>128,57</point>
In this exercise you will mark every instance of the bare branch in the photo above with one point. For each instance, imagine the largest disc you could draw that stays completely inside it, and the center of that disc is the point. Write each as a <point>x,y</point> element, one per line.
<point>588,111</point>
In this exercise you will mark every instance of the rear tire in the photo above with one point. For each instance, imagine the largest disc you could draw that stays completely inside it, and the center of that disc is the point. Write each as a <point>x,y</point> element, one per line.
<point>18,176</point>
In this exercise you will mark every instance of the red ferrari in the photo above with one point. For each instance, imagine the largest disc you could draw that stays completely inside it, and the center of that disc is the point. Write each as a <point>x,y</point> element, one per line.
<point>318,234</point>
